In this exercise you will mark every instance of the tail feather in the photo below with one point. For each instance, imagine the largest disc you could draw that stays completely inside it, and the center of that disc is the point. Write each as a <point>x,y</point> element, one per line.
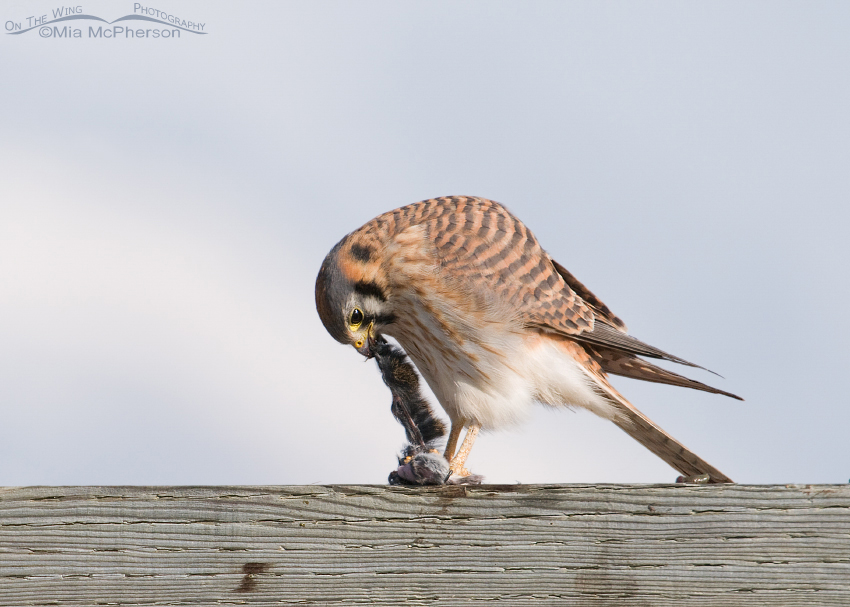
<point>647,433</point>
<point>644,430</point>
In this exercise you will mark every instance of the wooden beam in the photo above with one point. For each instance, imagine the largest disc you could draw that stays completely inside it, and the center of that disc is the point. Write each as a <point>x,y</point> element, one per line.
<point>608,545</point>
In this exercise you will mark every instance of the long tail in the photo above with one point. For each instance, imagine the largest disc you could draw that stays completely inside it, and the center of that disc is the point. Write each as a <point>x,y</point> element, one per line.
<point>647,433</point>
<point>639,426</point>
<point>650,435</point>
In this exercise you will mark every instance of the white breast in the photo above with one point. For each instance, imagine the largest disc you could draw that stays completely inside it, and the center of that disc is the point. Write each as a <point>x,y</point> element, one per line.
<point>492,374</point>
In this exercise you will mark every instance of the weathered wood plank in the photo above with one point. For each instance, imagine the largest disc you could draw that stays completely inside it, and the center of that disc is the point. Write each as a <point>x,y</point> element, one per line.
<point>345,545</point>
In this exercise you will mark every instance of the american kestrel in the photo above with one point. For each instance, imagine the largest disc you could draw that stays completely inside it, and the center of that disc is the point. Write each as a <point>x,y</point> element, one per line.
<point>492,323</point>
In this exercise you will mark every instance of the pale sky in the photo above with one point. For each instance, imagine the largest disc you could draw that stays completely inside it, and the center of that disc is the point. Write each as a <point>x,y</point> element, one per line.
<point>166,205</point>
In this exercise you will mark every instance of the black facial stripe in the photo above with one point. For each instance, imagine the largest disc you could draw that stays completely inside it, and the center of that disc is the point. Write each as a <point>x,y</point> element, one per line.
<point>369,288</point>
<point>362,253</point>
<point>385,319</point>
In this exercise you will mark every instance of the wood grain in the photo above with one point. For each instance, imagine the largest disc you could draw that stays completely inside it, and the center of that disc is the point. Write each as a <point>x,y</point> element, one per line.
<point>580,545</point>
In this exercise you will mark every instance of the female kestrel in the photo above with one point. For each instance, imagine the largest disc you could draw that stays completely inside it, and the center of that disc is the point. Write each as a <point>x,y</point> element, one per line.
<point>491,321</point>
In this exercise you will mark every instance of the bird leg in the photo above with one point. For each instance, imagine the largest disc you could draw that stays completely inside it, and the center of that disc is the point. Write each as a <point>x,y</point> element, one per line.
<point>459,459</point>
<point>454,435</point>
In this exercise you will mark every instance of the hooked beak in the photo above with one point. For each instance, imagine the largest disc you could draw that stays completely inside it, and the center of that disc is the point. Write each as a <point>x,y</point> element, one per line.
<point>366,344</point>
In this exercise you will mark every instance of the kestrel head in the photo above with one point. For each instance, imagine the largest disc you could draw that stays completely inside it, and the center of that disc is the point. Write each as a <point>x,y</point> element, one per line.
<point>351,297</point>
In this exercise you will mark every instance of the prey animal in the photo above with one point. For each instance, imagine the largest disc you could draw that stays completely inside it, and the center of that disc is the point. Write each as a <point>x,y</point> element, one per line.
<point>421,463</point>
<point>492,322</point>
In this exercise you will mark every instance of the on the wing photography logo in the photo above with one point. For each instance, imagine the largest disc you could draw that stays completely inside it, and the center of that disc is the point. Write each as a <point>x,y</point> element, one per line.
<point>68,22</point>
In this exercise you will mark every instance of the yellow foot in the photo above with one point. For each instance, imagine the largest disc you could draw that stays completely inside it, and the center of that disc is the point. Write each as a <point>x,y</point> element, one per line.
<point>459,460</point>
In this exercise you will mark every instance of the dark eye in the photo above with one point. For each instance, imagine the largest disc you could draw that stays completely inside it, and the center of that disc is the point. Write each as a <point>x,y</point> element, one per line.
<point>356,318</point>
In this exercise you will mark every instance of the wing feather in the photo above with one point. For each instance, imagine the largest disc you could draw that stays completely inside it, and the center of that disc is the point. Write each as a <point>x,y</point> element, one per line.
<point>627,365</point>
<point>479,245</point>
<point>602,311</point>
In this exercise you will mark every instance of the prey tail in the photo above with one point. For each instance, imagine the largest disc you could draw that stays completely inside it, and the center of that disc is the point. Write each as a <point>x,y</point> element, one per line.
<point>411,410</point>
<point>628,365</point>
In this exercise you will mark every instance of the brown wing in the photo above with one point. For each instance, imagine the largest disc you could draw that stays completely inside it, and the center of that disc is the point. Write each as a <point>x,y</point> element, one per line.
<point>482,244</point>
<point>601,310</point>
<point>482,247</point>
<point>629,365</point>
